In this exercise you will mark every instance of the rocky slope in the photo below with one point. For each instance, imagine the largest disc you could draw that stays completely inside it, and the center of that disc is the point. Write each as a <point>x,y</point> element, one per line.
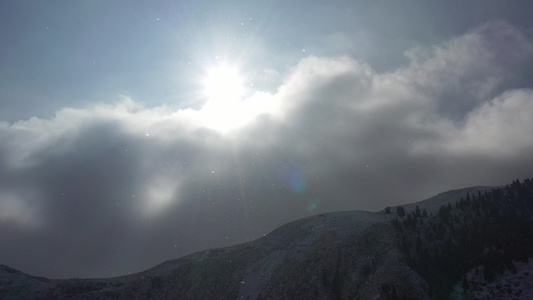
<point>393,254</point>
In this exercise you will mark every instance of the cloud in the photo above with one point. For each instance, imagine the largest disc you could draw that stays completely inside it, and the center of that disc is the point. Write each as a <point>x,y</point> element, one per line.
<point>18,208</point>
<point>117,188</point>
<point>469,69</point>
<point>498,128</point>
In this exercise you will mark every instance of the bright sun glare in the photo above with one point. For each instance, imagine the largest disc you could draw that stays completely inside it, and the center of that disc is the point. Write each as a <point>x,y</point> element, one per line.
<point>224,89</point>
<point>230,104</point>
<point>223,84</point>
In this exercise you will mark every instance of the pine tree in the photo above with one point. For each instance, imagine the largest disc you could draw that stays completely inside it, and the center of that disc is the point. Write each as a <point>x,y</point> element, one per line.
<point>400,211</point>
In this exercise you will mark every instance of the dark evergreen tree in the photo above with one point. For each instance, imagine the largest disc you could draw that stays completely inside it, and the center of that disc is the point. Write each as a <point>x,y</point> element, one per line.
<point>400,211</point>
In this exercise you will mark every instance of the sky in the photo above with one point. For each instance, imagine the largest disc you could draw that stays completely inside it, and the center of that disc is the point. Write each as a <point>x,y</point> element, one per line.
<point>136,132</point>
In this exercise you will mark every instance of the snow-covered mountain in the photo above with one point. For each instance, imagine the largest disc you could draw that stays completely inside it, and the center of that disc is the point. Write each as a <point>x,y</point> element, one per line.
<point>465,243</point>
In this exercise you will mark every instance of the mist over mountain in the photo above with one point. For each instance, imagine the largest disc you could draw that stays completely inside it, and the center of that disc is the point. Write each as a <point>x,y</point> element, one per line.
<point>471,243</point>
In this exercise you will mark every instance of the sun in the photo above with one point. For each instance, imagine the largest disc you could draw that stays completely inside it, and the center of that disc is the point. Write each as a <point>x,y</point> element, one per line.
<point>231,100</point>
<point>224,90</point>
<point>223,85</point>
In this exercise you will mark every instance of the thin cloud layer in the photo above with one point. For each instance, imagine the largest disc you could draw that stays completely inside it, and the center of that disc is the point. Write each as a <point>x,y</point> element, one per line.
<point>112,189</point>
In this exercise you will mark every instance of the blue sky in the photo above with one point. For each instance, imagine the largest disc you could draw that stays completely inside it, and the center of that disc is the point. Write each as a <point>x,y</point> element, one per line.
<point>116,154</point>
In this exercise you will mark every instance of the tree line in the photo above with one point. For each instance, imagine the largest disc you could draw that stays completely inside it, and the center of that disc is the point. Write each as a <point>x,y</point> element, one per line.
<point>491,229</point>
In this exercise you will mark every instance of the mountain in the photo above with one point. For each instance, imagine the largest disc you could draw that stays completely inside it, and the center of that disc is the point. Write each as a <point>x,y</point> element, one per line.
<point>473,243</point>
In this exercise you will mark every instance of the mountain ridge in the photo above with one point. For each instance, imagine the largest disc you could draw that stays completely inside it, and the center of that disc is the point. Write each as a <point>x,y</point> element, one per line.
<point>338,255</point>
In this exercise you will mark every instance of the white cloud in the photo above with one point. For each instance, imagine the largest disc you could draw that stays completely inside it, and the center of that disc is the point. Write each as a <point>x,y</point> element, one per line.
<point>499,127</point>
<point>467,70</point>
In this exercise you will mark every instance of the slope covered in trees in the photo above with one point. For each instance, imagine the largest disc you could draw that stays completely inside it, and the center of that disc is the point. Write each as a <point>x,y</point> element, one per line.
<point>491,230</point>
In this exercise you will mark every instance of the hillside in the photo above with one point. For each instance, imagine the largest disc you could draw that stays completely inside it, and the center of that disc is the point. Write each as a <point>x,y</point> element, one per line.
<point>463,243</point>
